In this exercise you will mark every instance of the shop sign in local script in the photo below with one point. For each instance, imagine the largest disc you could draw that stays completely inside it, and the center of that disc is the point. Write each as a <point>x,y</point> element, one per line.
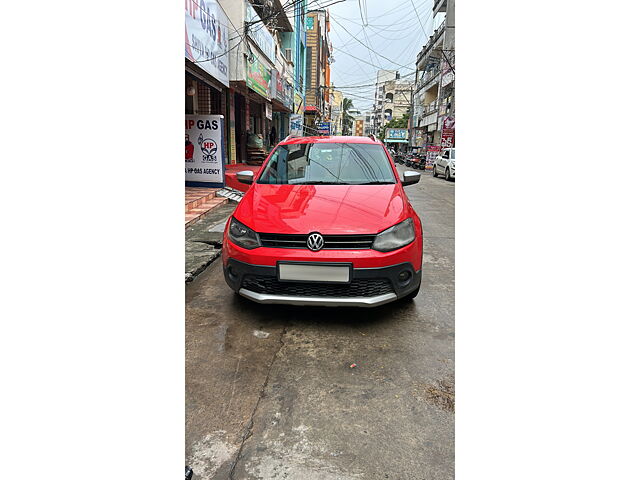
<point>259,78</point>
<point>206,37</point>
<point>204,149</point>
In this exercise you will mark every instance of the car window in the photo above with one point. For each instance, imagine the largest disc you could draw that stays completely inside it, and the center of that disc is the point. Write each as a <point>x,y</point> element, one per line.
<point>328,163</point>
<point>453,154</point>
<point>445,154</point>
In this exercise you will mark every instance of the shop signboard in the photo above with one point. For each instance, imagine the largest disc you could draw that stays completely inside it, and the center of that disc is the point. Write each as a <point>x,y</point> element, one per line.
<point>397,134</point>
<point>268,111</point>
<point>448,132</point>
<point>277,86</point>
<point>324,128</point>
<point>432,153</point>
<point>204,150</point>
<point>259,78</point>
<point>288,95</point>
<point>295,124</point>
<point>259,33</point>
<point>206,37</point>
<point>281,89</point>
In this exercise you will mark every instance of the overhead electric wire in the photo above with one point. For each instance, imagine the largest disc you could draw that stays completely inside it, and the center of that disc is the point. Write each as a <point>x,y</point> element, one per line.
<point>364,61</point>
<point>363,44</point>
<point>364,23</point>
<point>416,10</point>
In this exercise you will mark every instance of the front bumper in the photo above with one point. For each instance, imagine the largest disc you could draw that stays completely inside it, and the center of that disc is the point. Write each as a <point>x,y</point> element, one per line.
<point>369,287</point>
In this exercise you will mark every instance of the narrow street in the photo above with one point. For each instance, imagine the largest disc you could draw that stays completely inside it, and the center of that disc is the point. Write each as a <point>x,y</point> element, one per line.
<point>270,391</point>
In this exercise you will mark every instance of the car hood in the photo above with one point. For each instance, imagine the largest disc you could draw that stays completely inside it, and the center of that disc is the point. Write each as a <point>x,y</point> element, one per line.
<point>328,209</point>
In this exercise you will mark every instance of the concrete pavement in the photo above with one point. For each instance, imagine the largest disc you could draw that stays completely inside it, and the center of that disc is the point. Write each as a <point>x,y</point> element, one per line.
<point>270,392</point>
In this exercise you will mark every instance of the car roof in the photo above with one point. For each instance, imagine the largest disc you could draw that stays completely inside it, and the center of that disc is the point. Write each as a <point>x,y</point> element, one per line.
<point>330,139</point>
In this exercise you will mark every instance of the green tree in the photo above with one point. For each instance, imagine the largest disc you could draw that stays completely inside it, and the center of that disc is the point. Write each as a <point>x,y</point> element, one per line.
<point>347,120</point>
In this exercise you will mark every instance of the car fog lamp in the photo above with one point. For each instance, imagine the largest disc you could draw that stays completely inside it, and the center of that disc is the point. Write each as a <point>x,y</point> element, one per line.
<point>404,276</point>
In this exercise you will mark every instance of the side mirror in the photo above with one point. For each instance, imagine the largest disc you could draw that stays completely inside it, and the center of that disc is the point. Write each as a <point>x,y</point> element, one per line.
<point>409,178</point>
<point>245,176</point>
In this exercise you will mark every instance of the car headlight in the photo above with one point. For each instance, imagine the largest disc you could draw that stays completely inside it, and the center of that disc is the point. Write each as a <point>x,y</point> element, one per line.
<point>395,237</point>
<point>242,235</point>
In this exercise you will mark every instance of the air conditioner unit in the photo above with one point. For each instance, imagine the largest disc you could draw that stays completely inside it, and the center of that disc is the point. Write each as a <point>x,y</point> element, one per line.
<point>287,54</point>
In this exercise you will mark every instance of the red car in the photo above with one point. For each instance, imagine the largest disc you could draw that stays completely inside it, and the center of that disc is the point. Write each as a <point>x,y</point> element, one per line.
<point>326,222</point>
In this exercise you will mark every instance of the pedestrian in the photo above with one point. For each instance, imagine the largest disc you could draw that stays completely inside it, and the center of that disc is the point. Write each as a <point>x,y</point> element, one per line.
<point>272,136</point>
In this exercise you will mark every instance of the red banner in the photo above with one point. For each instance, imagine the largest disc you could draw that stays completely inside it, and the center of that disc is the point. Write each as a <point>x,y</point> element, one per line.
<point>448,132</point>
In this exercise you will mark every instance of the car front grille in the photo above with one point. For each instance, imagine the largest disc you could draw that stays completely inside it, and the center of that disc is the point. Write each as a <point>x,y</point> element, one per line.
<point>359,287</point>
<point>331,242</point>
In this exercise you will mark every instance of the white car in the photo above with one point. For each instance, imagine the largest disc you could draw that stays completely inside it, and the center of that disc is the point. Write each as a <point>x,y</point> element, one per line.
<point>445,164</point>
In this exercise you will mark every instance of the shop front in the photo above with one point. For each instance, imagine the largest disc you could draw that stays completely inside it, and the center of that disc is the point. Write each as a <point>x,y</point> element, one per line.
<point>206,94</point>
<point>258,81</point>
<point>282,100</point>
<point>398,138</point>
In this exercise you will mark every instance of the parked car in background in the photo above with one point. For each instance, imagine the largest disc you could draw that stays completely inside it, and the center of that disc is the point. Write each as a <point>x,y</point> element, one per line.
<point>445,164</point>
<point>325,222</point>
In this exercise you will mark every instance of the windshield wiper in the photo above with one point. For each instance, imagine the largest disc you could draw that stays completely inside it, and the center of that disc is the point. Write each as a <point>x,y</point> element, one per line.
<point>380,182</point>
<point>321,183</point>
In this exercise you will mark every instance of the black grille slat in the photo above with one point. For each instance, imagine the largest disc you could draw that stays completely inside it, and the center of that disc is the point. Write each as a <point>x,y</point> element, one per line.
<point>359,287</point>
<point>331,242</point>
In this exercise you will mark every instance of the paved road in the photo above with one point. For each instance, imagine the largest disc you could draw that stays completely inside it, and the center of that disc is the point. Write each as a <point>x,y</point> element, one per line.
<point>269,389</point>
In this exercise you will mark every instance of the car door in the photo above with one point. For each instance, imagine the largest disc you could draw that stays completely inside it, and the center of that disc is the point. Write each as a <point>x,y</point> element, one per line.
<point>443,160</point>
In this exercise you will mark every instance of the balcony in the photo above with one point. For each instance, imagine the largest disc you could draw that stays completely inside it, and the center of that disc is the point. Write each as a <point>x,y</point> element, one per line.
<point>431,44</point>
<point>431,107</point>
<point>429,80</point>
<point>439,6</point>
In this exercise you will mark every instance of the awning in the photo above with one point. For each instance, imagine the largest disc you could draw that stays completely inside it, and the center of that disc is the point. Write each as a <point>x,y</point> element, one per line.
<point>310,108</point>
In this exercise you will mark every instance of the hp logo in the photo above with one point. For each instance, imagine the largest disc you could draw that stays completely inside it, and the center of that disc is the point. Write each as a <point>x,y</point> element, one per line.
<point>315,242</point>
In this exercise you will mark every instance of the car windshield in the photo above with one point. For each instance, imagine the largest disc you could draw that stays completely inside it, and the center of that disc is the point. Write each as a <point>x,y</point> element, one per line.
<point>328,164</point>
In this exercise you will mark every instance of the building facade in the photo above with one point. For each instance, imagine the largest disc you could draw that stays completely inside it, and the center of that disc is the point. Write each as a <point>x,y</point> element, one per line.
<point>336,98</point>
<point>382,76</point>
<point>318,70</point>
<point>245,60</point>
<point>434,90</point>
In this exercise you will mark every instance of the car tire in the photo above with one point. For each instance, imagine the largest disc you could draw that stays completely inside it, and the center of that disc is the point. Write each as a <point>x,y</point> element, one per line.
<point>435,174</point>
<point>447,175</point>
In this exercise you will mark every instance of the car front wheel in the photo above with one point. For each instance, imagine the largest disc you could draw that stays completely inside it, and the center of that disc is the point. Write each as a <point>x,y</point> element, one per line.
<point>447,175</point>
<point>435,174</point>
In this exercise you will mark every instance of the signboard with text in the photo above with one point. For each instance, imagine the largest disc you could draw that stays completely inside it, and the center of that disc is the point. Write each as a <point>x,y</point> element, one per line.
<point>448,132</point>
<point>432,153</point>
<point>324,128</point>
<point>204,150</point>
<point>206,37</point>
<point>281,89</point>
<point>259,78</point>
<point>397,134</point>
<point>295,124</point>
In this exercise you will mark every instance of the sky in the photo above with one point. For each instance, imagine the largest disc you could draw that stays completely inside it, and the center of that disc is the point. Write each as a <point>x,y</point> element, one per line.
<point>391,28</point>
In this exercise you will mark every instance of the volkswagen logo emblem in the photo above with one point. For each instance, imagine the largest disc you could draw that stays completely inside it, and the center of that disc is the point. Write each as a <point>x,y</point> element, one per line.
<point>315,242</point>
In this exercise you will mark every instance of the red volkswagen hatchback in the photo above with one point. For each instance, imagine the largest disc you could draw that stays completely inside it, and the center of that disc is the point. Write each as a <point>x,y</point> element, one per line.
<point>325,222</point>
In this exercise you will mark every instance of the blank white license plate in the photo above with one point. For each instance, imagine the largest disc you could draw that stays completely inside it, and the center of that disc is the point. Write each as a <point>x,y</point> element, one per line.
<point>314,273</point>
